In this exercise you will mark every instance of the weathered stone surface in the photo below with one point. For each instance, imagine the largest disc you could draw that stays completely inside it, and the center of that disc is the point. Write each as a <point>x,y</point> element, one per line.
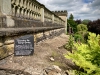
<point>9,41</point>
<point>52,70</point>
<point>13,72</point>
<point>3,52</point>
<point>6,6</point>
<point>10,47</point>
<point>1,44</point>
<point>2,72</point>
<point>52,59</point>
<point>10,21</point>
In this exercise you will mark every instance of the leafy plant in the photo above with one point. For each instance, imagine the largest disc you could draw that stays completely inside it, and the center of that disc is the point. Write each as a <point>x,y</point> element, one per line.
<point>82,33</point>
<point>78,37</point>
<point>82,27</point>
<point>69,46</point>
<point>87,56</point>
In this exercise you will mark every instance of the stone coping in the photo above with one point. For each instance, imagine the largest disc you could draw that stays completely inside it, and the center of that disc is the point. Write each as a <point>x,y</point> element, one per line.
<point>18,31</point>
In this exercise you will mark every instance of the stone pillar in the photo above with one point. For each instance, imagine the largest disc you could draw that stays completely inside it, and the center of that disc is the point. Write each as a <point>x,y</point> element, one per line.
<point>42,14</point>
<point>52,18</point>
<point>5,10</point>
<point>1,14</point>
<point>5,6</point>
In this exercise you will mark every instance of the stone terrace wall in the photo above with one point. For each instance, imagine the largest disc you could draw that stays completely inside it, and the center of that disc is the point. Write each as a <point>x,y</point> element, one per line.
<point>23,17</point>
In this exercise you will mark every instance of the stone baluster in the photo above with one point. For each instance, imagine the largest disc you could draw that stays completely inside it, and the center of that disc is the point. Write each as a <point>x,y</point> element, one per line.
<point>52,18</point>
<point>34,16</point>
<point>25,8</point>
<point>36,12</point>
<point>60,22</point>
<point>57,20</point>
<point>22,8</point>
<point>35,8</point>
<point>42,13</point>
<point>17,8</point>
<point>28,10</point>
<point>39,14</point>
<point>21,3</point>
<point>32,10</point>
<point>30,4</point>
<point>31,16</point>
<point>13,7</point>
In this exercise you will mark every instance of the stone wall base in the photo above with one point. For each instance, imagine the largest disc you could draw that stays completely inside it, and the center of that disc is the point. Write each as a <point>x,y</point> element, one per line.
<point>7,43</point>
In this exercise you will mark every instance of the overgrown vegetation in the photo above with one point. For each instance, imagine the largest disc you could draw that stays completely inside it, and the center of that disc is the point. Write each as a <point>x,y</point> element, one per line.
<point>94,26</point>
<point>85,48</point>
<point>69,45</point>
<point>72,24</point>
<point>87,55</point>
<point>81,34</point>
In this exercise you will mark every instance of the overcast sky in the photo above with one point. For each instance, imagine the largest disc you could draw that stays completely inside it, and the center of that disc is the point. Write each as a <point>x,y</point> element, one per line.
<point>81,9</point>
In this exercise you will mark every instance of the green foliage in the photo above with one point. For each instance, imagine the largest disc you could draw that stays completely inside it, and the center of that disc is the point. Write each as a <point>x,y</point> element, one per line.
<point>82,27</point>
<point>69,45</point>
<point>85,21</point>
<point>87,56</point>
<point>73,24</point>
<point>81,32</point>
<point>78,38</point>
<point>71,16</point>
<point>94,26</point>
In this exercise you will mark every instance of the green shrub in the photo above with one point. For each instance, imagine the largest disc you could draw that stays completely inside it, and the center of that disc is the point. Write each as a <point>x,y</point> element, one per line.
<point>81,34</point>
<point>82,27</point>
<point>69,46</point>
<point>87,56</point>
<point>78,38</point>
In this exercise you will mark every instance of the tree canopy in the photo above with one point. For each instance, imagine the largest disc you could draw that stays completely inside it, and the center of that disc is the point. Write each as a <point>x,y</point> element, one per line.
<point>72,23</point>
<point>71,16</point>
<point>85,21</point>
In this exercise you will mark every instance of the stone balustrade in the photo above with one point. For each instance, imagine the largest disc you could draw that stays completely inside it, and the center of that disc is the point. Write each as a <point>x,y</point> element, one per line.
<point>47,15</point>
<point>27,11</point>
<point>23,17</point>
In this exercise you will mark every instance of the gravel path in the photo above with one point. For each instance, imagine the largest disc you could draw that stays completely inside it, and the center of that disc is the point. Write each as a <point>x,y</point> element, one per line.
<point>40,59</point>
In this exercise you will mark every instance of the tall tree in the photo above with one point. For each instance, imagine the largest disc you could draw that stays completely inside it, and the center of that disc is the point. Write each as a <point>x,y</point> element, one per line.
<point>78,21</point>
<point>94,26</point>
<point>71,16</point>
<point>72,23</point>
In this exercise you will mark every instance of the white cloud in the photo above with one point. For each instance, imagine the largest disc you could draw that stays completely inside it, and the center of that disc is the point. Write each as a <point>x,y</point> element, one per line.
<point>78,8</point>
<point>85,8</point>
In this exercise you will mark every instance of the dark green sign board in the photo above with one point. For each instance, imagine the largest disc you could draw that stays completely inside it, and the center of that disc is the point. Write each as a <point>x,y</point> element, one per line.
<point>24,46</point>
